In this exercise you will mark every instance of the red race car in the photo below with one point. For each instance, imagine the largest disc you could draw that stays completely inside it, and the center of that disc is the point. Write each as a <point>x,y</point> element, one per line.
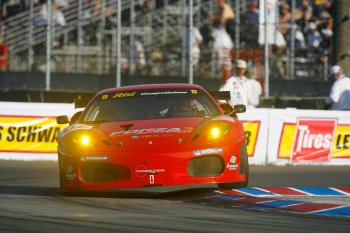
<point>152,135</point>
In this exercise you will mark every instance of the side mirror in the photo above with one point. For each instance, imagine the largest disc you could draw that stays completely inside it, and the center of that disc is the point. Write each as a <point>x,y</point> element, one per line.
<point>239,108</point>
<point>62,120</point>
<point>226,107</point>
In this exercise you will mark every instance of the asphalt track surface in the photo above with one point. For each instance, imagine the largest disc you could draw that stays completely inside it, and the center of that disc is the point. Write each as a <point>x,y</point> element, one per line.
<point>30,201</point>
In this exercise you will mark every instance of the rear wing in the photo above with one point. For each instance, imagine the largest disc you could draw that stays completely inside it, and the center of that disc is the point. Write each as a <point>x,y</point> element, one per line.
<point>220,95</point>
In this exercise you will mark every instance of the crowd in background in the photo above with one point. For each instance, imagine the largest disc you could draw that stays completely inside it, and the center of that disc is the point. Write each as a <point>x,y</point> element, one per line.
<point>313,26</point>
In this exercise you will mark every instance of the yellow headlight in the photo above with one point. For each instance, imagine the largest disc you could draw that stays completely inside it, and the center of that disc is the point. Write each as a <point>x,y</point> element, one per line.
<point>215,132</point>
<point>218,130</point>
<point>85,140</point>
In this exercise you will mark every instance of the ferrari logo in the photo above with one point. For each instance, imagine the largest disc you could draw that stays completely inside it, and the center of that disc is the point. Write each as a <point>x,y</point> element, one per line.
<point>150,142</point>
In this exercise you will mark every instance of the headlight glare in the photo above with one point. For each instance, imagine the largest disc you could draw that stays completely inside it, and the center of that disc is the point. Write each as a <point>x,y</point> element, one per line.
<point>215,132</point>
<point>218,130</point>
<point>85,140</point>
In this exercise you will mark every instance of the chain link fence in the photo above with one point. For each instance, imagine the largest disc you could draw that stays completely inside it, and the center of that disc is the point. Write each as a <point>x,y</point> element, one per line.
<point>154,38</point>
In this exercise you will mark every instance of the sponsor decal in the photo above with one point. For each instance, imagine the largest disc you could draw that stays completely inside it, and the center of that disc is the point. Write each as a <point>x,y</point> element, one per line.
<point>29,134</point>
<point>232,165</point>
<point>70,174</point>
<point>125,94</point>
<point>142,171</point>
<point>251,131</point>
<point>163,93</point>
<point>314,140</point>
<point>153,131</point>
<point>104,97</point>
<point>208,151</point>
<point>233,159</point>
<point>93,158</point>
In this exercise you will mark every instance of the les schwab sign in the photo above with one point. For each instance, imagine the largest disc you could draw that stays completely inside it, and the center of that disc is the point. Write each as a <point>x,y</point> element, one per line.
<point>28,134</point>
<point>313,139</point>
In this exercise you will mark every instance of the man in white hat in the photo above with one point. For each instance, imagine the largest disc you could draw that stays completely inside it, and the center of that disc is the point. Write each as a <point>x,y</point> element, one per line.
<point>237,85</point>
<point>339,97</point>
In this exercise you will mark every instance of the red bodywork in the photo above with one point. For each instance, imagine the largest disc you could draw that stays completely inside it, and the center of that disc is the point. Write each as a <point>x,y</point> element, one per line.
<point>151,152</point>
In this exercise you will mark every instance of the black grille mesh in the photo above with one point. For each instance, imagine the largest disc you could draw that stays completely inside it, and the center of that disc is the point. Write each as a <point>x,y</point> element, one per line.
<point>98,172</point>
<point>205,166</point>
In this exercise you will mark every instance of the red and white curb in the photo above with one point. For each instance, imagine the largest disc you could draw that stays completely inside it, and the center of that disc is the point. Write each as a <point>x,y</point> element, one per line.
<point>271,199</point>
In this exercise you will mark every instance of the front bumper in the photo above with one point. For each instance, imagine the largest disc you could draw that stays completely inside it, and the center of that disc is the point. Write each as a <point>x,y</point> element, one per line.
<point>107,170</point>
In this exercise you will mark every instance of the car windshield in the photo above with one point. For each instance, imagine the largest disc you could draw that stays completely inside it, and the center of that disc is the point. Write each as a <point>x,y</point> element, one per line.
<point>150,104</point>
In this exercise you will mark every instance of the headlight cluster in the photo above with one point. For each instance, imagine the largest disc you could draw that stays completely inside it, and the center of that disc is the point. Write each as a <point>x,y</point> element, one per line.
<point>82,140</point>
<point>85,140</point>
<point>218,130</point>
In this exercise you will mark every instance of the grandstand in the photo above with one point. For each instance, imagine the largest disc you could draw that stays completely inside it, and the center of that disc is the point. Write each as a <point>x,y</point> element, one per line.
<point>86,44</point>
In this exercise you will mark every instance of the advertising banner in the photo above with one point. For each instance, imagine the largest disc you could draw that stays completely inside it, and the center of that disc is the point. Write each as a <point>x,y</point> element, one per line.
<point>30,128</point>
<point>309,136</point>
<point>255,122</point>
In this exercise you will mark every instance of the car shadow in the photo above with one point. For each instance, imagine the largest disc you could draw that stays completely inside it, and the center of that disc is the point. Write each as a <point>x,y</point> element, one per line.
<point>143,193</point>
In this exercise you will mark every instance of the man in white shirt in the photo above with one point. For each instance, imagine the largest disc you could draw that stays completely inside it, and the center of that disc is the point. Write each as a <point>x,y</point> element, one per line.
<point>254,91</point>
<point>339,97</point>
<point>237,85</point>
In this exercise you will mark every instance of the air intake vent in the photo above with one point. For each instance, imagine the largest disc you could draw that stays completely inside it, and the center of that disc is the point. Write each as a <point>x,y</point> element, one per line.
<point>206,166</point>
<point>103,172</point>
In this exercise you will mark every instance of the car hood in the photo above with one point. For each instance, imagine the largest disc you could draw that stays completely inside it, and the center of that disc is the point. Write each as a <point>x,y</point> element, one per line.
<point>155,134</point>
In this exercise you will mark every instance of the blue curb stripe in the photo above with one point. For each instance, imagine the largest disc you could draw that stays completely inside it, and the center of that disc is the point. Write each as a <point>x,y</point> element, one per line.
<point>321,191</point>
<point>342,211</point>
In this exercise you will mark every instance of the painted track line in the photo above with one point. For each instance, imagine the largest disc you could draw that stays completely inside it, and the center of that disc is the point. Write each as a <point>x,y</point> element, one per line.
<point>271,199</point>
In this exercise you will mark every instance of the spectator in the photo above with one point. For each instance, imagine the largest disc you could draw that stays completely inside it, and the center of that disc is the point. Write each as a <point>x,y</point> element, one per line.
<point>299,40</point>
<point>237,85</point>
<point>326,43</point>
<point>3,55</point>
<point>156,61</point>
<point>222,46</point>
<point>278,49</point>
<point>139,58</point>
<point>250,26</point>
<point>106,9</point>
<point>313,39</point>
<point>57,15</point>
<point>12,7</point>
<point>285,16</point>
<point>254,91</point>
<point>225,16</point>
<point>339,97</point>
<point>304,13</point>
<point>195,38</point>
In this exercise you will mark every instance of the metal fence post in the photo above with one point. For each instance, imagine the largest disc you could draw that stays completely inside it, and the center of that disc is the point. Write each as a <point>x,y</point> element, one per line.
<point>48,45</point>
